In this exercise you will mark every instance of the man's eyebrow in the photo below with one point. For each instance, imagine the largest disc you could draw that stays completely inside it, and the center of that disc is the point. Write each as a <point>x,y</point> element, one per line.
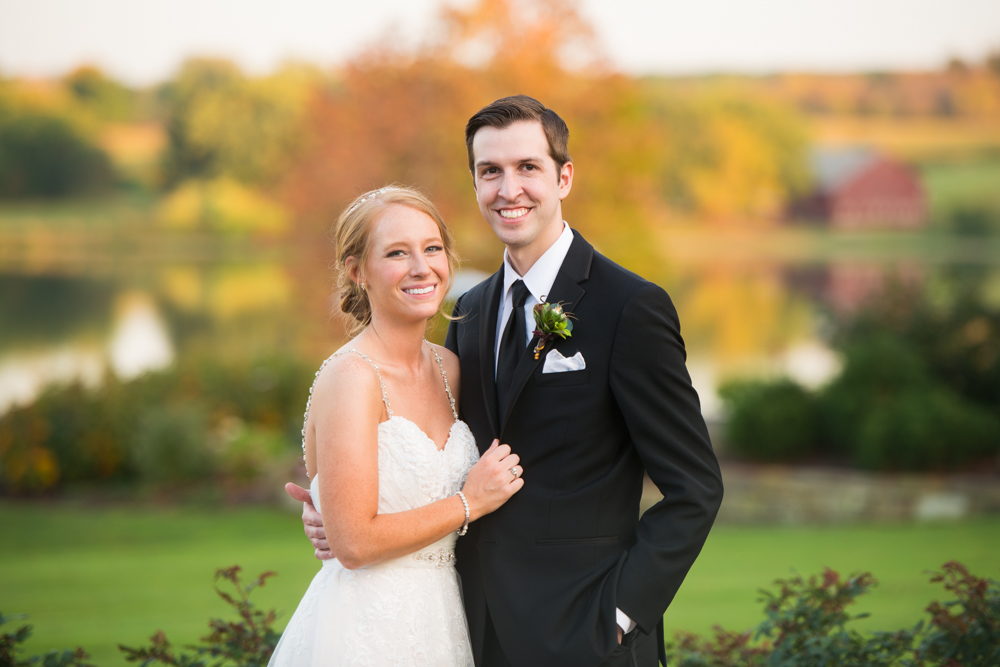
<point>490,163</point>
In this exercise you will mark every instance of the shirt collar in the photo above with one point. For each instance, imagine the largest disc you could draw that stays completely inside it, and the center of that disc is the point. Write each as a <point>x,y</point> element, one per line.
<point>543,272</point>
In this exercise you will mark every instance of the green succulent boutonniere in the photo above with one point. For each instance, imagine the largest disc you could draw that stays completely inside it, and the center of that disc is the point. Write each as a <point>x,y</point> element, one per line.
<point>550,321</point>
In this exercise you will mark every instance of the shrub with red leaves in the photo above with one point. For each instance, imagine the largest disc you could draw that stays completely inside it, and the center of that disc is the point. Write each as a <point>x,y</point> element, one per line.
<point>247,642</point>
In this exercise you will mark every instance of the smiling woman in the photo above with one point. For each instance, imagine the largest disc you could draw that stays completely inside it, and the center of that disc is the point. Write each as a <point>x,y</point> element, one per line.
<point>353,238</point>
<point>401,473</point>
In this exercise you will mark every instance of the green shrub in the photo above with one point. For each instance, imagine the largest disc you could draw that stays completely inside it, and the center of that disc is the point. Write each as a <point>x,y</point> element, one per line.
<point>956,336</point>
<point>874,373</point>
<point>807,623</point>
<point>964,631</point>
<point>248,642</point>
<point>171,426</point>
<point>886,412</point>
<point>248,451</point>
<point>769,421</point>
<point>170,444</point>
<point>922,430</point>
<point>10,643</point>
<point>974,221</point>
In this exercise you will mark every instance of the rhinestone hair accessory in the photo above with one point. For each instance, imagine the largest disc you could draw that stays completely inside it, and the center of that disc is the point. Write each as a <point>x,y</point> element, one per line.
<point>372,195</point>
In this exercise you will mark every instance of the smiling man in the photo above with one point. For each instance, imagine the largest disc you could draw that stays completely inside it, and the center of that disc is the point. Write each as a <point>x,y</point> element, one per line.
<point>566,573</point>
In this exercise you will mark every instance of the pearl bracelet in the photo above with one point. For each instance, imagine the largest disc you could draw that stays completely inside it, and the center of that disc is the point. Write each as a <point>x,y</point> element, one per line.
<point>465,503</point>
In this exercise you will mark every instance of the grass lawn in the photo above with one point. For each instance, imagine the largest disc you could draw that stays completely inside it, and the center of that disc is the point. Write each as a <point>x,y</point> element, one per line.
<point>97,577</point>
<point>974,183</point>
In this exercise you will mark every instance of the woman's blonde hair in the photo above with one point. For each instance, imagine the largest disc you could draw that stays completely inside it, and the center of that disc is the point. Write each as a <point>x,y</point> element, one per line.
<point>352,238</point>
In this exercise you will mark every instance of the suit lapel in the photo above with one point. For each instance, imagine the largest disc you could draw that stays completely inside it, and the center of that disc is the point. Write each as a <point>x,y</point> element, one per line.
<point>489,307</point>
<point>566,288</point>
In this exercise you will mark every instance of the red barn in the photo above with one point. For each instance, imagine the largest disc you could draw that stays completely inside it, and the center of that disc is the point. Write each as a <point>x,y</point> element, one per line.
<point>857,188</point>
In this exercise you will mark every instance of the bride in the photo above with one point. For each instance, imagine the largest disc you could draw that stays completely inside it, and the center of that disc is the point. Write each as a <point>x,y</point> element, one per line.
<point>394,472</point>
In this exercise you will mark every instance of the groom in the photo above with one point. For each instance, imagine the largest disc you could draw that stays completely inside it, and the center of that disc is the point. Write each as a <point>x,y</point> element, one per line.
<point>565,573</point>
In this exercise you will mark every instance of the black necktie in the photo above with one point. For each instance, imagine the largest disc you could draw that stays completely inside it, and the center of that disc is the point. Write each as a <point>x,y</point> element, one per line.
<point>512,345</point>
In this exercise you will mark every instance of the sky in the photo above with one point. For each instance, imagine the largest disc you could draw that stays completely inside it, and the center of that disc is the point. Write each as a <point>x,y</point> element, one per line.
<point>143,41</point>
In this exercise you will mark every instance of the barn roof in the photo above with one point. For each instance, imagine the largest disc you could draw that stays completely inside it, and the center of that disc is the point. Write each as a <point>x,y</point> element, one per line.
<point>833,167</point>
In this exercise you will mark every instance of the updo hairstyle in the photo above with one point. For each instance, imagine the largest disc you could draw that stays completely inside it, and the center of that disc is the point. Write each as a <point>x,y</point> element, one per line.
<point>352,238</point>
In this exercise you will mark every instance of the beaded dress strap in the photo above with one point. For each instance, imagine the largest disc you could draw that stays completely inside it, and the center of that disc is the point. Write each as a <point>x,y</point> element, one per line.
<point>444,376</point>
<point>385,399</point>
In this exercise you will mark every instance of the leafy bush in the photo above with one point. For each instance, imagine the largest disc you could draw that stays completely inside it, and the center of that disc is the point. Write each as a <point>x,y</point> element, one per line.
<point>172,426</point>
<point>769,421</point>
<point>170,444</point>
<point>921,430</point>
<point>875,371</point>
<point>9,647</point>
<point>248,642</point>
<point>886,411</point>
<point>974,221</point>
<point>955,337</point>
<point>806,625</point>
<point>965,631</point>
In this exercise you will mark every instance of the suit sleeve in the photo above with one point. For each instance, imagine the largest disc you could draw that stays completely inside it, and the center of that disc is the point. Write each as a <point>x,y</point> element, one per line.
<point>451,340</point>
<point>653,390</point>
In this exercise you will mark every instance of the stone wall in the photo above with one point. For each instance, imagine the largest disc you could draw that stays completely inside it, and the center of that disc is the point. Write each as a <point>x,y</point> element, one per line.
<point>795,495</point>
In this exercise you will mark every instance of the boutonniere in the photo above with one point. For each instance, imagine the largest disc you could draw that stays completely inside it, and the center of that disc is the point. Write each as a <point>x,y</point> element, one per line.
<point>550,321</point>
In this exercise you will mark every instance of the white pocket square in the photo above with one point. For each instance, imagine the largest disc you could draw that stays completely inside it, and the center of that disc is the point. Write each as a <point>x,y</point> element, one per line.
<point>556,363</point>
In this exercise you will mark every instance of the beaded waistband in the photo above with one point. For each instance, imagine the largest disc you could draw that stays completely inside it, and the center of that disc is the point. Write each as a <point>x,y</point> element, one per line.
<point>436,558</point>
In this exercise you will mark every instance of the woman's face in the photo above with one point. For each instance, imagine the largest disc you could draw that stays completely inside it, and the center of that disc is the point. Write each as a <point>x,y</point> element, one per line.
<point>407,273</point>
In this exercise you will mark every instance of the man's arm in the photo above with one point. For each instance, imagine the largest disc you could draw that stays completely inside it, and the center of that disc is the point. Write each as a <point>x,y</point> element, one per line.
<point>653,390</point>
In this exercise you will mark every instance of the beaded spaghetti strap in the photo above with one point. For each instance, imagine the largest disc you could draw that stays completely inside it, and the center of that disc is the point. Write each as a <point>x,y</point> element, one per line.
<point>444,376</point>
<point>385,399</point>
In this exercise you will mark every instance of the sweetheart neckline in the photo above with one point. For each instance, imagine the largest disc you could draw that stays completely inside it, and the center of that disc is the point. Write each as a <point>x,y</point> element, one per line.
<point>428,438</point>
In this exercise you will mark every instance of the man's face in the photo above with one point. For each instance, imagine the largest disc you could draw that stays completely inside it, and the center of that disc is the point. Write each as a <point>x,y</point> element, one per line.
<point>519,187</point>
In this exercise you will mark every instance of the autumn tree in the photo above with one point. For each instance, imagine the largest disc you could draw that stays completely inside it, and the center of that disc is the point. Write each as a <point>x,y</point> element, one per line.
<point>395,115</point>
<point>400,116</point>
<point>222,123</point>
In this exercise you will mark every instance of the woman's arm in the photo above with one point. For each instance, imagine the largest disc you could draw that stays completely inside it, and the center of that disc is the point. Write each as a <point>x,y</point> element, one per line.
<point>346,409</point>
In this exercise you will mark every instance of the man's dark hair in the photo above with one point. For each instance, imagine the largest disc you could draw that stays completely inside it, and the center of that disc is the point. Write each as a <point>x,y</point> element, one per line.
<point>509,110</point>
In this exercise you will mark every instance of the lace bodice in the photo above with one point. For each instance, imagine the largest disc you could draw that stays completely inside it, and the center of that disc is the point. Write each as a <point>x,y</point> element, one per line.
<point>412,471</point>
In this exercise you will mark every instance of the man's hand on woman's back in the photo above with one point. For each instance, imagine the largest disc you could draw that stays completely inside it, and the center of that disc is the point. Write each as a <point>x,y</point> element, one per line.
<point>312,521</point>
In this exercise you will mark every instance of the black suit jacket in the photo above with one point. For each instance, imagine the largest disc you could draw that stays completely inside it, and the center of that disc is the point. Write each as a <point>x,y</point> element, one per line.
<point>554,562</point>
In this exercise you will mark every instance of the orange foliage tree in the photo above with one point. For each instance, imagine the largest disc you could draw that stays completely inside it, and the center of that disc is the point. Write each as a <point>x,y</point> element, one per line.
<point>393,116</point>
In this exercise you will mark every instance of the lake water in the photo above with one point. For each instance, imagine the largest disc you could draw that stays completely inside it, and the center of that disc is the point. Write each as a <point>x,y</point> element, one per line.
<point>748,303</point>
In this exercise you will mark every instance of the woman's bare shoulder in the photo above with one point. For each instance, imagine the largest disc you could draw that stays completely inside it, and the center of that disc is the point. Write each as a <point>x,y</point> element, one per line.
<point>347,381</point>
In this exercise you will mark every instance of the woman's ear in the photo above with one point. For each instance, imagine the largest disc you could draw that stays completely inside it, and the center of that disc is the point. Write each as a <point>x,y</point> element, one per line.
<point>353,270</point>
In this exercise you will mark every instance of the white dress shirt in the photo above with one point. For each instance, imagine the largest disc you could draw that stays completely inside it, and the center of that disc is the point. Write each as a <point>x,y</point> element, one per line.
<point>539,279</point>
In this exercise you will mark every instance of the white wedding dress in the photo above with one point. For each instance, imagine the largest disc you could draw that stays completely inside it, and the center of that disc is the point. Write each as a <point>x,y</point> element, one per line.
<point>405,611</point>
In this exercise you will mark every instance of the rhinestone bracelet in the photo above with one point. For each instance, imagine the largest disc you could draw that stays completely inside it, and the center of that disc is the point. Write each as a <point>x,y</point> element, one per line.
<point>464,529</point>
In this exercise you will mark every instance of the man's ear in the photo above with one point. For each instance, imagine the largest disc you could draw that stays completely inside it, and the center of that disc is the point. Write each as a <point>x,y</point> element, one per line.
<point>565,180</point>
<point>473,174</point>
